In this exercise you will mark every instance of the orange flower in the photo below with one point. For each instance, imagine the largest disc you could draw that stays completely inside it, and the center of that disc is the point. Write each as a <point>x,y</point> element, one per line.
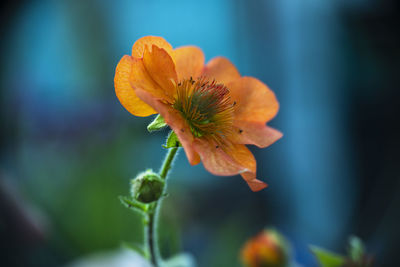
<point>211,108</point>
<point>267,249</point>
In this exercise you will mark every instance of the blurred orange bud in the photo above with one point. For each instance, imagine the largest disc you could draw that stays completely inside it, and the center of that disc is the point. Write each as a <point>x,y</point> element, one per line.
<point>268,249</point>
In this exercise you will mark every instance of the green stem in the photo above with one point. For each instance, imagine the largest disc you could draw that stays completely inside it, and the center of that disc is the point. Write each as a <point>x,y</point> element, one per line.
<point>167,162</point>
<point>153,213</point>
<point>151,238</point>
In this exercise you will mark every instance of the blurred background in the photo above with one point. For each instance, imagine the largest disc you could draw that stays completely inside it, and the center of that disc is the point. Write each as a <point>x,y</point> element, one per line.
<point>68,148</point>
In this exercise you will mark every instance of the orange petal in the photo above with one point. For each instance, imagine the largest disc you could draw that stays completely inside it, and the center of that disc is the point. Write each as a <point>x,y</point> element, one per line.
<point>243,156</point>
<point>124,91</point>
<point>254,184</point>
<point>149,41</point>
<point>221,69</point>
<point>216,160</point>
<point>235,160</point>
<point>254,100</point>
<point>189,62</point>
<point>161,68</point>
<point>141,79</point>
<point>255,133</point>
<point>174,119</point>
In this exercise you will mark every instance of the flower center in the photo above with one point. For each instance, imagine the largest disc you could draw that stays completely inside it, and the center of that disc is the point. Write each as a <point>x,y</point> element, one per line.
<point>206,107</point>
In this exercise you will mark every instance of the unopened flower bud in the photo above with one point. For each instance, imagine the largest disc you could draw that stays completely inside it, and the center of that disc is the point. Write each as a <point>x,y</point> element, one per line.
<point>267,249</point>
<point>147,187</point>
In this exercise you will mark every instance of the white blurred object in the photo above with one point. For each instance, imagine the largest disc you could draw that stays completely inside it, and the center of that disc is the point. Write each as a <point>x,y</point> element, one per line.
<point>180,260</point>
<point>119,258</point>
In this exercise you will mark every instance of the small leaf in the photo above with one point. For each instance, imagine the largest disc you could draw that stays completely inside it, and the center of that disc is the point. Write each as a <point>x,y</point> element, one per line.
<point>136,247</point>
<point>157,124</point>
<point>326,258</point>
<point>356,249</point>
<point>180,260</point>
<point>133,204</point>
<point>172,141</point>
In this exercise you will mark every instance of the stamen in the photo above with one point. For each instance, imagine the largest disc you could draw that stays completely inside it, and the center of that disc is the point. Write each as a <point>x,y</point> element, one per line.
<point>206,107</point>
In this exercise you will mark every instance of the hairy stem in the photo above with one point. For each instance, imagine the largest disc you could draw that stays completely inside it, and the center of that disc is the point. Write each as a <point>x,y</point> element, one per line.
<point>166,166</point>
<point>153,213</point>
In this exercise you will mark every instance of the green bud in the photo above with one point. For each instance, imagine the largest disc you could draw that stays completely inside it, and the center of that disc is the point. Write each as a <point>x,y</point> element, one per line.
<point>147,187</point>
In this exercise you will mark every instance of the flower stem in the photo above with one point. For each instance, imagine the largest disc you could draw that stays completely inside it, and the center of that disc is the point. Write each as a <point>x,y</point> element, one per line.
<point>151,220</point>
<point>167,162</point>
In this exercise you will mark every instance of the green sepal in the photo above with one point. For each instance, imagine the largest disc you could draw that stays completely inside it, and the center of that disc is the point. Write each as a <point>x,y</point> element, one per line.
<point>157,124</point>
<point>137,248</point>
<point>326,258</point>
<point>172,141</point>
<point>180,260</point>
<point>356,249</point>
<point>133,204</point>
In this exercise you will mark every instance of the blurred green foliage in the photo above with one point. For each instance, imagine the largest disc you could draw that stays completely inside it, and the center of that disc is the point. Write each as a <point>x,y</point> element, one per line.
<point>79,193</point>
